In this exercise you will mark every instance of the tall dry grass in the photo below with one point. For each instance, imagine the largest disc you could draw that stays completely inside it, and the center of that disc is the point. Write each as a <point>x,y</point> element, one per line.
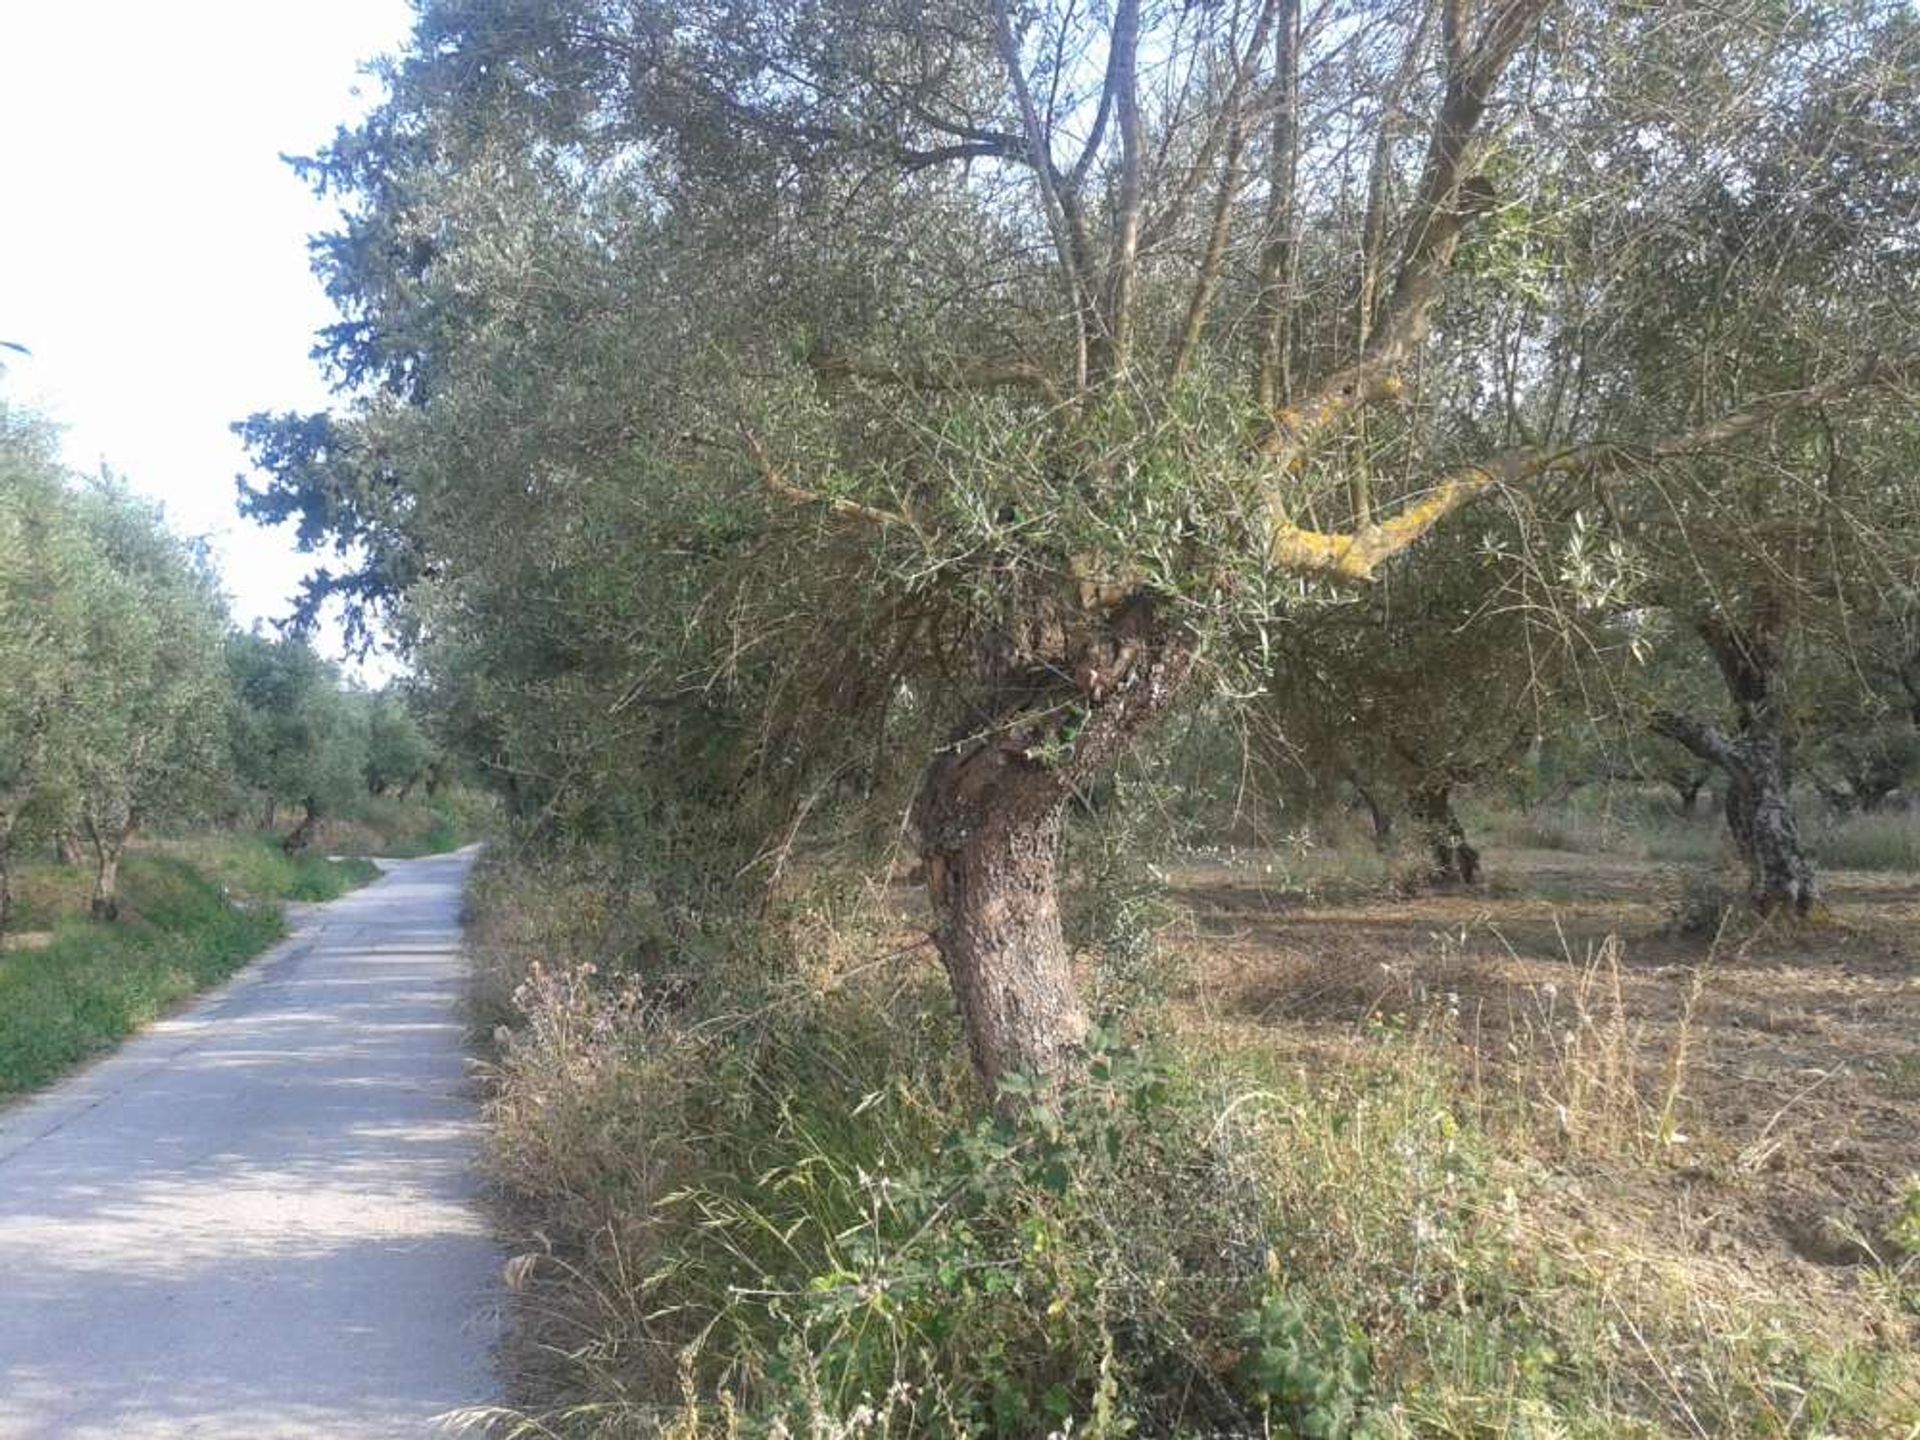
<point>754,1206</point>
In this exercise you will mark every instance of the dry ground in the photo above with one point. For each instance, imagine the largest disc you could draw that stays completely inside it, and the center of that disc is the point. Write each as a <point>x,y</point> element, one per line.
<point>1785,1060</point>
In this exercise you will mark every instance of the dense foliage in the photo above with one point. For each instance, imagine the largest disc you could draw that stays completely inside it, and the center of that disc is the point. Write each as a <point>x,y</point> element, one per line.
<point>130,703</point>
<point>781,435</point>
<point>745,411</point>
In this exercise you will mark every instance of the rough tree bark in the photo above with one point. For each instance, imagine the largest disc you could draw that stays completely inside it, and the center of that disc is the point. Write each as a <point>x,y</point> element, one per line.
<point>1377,813</point>
<point>1454,860</point>
<point>109,842</point>
<point>989,814</point>
<point>301,836</point>
<point>7,831</point>
<point>1757,762</point>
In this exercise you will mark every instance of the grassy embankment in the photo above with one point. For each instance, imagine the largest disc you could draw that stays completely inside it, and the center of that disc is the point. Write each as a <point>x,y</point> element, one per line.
<point>191,915</point>
<point>193,911</point>
<point>1354,1162</point>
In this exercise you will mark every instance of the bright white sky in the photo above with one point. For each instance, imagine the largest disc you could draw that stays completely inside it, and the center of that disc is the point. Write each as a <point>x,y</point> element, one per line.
<point>153,246</point>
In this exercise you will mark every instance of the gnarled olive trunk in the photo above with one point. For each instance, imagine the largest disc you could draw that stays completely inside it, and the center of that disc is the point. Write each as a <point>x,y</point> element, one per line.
<point>109,837</point>
<point>1378,814</point>
<point>66,848</point>
<point>1454,860</point>
<point>105,904</point>
<point>1760,815</point>
<point>1687,789</point>
<point>7,831</point>
<point>989,814</point>
<point>1757,762</point>
<point>301,836</point>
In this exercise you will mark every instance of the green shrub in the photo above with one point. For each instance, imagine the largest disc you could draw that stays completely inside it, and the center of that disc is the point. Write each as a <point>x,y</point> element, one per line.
<point>399,829</point>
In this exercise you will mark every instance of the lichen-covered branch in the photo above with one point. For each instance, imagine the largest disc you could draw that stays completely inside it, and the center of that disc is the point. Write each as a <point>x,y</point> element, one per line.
<point>1355,555</point>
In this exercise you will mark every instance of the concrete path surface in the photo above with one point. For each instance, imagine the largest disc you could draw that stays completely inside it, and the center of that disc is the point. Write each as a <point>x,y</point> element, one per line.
<point>258,1219</point>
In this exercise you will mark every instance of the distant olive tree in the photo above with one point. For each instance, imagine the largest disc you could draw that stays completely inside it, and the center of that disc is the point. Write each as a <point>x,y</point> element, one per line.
<point>1752,269</point>
<point>48,574</point>
<point>399,754</point>
<point>297,737</point>
<point>148,706</point>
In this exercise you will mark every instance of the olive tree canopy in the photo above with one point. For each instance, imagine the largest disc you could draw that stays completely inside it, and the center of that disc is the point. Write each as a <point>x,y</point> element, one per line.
<point>974,377</point>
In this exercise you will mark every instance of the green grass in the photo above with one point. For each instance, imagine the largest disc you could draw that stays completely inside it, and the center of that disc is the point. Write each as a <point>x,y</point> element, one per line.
<point>813,1219</point>
<point>442,835</point>
<point>191,916</point>
<point>253,868</point>
<point>1641,823</point>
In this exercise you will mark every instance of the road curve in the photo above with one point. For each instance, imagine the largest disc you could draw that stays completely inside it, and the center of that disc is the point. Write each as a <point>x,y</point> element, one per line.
<point>258,1219</point>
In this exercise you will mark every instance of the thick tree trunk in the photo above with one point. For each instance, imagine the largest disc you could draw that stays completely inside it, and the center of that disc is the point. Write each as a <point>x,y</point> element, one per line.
<point>106,886</point>
<point>301,836</point>
<point>995,888</point>
<point>66,848</point>
<point>1378,814</point>
<point>6,880</point>
<point>109,845</point>
<point>270,814</point>
<point>1688,788</point>
<point>1760,815</point>
<point>1756,761</point>
<point>1454,860</point>
<point>989,814</point>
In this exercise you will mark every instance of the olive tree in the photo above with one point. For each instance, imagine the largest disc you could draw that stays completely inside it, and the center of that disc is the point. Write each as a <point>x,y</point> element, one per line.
<point>1779,236</point>
<point>297,737</point>
<point>148,704</point>
<point>975,377</point>
<point>48,573</point>
<point>1442,675</point>
<point>398,751</point>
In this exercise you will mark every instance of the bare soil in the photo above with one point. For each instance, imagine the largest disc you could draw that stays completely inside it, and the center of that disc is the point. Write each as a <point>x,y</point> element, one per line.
<point>1796,1048</point>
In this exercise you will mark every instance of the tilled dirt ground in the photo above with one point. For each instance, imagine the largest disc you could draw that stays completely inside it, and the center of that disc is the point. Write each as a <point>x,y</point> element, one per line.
<point>1791,1055</point>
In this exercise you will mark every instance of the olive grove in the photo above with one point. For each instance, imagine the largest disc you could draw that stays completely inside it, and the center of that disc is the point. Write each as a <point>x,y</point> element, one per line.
<point>130,703</point>
<point>738,401</point>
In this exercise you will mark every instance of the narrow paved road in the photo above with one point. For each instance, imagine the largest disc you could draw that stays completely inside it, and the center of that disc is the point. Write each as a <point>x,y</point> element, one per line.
<point>258,1219</point>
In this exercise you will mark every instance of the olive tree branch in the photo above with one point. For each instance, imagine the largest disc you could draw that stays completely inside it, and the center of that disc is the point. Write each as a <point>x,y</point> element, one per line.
<point>778,485</point>
<point>1445,201</point>
<point>1068,243</point>
<point>1356,555</point>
